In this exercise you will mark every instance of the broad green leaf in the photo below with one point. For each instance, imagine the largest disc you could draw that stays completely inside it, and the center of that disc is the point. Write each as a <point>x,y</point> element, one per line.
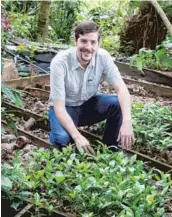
<point>6,183</point>
<point>59,177</point>
<point>16,205</point>
<point>25,193</point>
<point>112,163</point>
<point>139,63</point>
<point>37,199</point>
<point>150,199</point>
<point>88,214</point>
<point>73,194</point>
<point>78,188</point>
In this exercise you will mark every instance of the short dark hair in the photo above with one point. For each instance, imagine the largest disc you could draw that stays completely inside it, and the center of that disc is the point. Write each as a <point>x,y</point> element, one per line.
<point>86,27</point>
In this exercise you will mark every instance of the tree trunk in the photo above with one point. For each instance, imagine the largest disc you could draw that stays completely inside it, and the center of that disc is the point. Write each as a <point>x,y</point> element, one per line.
<point>43,19</point>
<point>24,6</point>
<point>162,15</point>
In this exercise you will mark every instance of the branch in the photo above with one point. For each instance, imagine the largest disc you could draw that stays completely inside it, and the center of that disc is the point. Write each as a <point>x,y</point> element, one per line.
<point>162,15</point>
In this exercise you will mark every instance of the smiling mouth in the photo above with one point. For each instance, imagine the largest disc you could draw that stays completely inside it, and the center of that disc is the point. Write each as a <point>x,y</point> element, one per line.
<point>88,53</point>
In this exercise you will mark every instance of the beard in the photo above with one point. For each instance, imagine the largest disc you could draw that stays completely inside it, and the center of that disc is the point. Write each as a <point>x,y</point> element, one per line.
<point>86,55</point>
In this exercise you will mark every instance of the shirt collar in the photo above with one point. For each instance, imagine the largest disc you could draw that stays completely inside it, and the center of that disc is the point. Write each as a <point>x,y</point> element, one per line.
<point>76,63</point>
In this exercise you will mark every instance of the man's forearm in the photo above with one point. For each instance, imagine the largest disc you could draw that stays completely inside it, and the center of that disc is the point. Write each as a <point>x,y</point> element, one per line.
<point>125,103</point>
<point>66,121</point>
<point>126,135</point>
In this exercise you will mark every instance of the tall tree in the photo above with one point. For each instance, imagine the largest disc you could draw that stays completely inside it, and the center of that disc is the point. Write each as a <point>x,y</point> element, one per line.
<point>43,20</point>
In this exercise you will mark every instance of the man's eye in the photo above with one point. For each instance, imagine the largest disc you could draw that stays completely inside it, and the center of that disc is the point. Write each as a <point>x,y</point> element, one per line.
<point>84,41</point>
<point>93,42</point>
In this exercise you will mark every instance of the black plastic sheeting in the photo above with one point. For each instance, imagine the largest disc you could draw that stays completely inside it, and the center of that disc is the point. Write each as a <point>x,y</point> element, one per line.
<point>39,63</point>
<point>45,57</point>
<point>42,60</point>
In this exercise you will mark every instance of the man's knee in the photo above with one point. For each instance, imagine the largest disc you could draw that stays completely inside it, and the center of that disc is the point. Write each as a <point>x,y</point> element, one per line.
<point>62,138</point>
<point>114,103</point>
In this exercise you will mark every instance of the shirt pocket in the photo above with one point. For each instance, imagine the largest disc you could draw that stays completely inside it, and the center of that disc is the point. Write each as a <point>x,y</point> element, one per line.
<point>91,87</point>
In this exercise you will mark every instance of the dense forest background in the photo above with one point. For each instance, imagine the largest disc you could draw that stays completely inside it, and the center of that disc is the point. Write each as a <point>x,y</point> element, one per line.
<point>128,27</point>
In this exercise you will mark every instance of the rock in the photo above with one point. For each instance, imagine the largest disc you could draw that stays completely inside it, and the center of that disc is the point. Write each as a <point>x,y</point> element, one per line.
<point>22,141</point>
<point>9,70</point>
<point>26,156</point>
<point>27,148</point>
<point>8,138</point>
<point>29,124</point>
<point>169,157</point>
<point>9,157</point>
<point>8,146</point>
<point>39,106</point>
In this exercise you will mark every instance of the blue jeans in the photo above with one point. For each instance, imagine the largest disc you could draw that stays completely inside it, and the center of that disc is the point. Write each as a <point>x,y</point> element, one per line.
<point>98,108</point>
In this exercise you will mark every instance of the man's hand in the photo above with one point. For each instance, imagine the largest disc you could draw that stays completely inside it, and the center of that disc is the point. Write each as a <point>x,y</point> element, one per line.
<point>126,135</point>
<point>82,143</point>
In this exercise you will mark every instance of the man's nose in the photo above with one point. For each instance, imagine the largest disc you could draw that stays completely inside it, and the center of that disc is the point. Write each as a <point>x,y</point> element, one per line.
<point>88,45</point>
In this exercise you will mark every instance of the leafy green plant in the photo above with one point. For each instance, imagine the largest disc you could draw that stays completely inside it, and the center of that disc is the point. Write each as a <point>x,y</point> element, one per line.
<point>13,96</point>
<point>161,58</point>
<point>20,6</point>
<point>24,19</point>
<point>110,16</point>
<point>22,16</point>
<point>100,185</point>
<point>152,125</point>
<point>23,25</point>
<point>63,17</point>
<point>5,36</point>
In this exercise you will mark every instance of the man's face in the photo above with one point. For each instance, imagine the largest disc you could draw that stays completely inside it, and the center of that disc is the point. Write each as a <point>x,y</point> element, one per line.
<point>87,46</point>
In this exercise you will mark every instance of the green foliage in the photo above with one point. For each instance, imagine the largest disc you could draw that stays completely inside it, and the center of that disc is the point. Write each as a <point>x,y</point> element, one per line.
<point>100,185</point>
<point>160,59</point>
<point>13,96</point>
<point>20,6</point>
<point>110,43</point>
<point>23,25</point>
<point>166,6</point>
<point>62,18</point>
<point>110,16</point>
<point>5,36</point>
<point>10,181</point>
<point>23,19</point>
<point>152,125</point>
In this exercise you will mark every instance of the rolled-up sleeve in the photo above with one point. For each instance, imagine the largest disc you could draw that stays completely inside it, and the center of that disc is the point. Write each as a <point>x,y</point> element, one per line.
<point>111,72</point>
<point>57,84</point>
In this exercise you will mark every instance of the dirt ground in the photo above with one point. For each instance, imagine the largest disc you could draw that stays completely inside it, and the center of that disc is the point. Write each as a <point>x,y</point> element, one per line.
<point>10,143</point>
<point>140,94</point>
